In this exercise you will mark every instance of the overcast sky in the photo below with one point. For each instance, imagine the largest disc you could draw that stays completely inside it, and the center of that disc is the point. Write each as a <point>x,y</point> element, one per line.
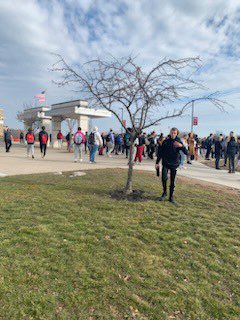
<point>83,29</point>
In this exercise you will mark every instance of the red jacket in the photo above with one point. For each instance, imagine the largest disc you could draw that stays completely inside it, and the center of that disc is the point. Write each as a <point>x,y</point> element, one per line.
<point>59,135</point>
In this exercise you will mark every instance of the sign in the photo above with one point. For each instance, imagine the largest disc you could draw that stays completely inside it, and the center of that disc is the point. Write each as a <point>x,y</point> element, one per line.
<point>124,122</point>
<point>195,121</point>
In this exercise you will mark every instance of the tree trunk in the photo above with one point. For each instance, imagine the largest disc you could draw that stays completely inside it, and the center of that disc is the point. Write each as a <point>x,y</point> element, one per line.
<point>128,188</point>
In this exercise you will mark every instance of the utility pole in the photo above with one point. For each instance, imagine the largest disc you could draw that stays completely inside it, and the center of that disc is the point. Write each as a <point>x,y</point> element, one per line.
<point>192,116</point>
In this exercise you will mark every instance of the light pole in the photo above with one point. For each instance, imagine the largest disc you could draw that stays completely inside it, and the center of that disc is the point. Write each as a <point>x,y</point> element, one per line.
<point>192,116</point>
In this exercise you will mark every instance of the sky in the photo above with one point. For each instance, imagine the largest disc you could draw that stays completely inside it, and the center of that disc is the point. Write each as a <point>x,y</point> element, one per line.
<point>80,30</point>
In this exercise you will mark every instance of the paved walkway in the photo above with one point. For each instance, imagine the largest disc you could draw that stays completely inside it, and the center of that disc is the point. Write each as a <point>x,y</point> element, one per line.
<point>16,162</point>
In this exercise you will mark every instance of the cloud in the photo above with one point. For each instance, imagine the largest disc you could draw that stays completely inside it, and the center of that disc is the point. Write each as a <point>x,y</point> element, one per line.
<point>80,30</point>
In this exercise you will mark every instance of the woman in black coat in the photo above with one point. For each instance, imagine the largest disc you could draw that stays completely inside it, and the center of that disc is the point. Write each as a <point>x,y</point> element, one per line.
<point>232,150</point>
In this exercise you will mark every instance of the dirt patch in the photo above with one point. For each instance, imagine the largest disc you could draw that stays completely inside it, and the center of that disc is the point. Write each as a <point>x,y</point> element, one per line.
<point>135,196</point>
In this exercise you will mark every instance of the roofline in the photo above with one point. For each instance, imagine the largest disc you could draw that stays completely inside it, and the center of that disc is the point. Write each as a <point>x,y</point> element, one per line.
<point>56,104</point>
<point>34,108</point>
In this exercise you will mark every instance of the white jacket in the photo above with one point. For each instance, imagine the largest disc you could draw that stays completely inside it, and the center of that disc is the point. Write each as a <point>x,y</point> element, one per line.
<point>98,138</point>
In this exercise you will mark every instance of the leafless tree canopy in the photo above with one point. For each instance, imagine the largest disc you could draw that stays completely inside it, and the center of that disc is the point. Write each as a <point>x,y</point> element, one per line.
<point>148,97</point>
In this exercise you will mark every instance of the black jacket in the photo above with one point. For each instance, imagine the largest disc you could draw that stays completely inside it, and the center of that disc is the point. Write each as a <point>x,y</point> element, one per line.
<point>169,153</point>
<point>40,135</point>
<point>141,141</point>
<point>232,147</point>
<point>218,148</point>
<point>7,135</point>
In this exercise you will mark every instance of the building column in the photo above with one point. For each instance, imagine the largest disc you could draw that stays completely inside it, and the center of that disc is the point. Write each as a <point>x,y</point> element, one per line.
<point>56,126</point>
<point>83,122</point>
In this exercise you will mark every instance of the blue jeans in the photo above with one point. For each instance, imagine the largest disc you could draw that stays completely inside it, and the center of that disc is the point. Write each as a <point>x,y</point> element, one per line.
<point>93,149</point>
<point>183,158</point>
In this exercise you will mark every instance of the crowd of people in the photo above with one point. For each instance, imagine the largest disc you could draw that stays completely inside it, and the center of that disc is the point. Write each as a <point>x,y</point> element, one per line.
<point>215,146</point>
<point>174,150</point>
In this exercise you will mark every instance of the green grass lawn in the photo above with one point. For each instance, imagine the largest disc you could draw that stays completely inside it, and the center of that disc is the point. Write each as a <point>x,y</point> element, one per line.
<point>70,251</point>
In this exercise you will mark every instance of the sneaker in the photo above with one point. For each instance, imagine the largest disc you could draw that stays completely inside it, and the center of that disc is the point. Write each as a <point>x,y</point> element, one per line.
<point>163,196</point>
<point>81,160</point>
<point>172,200</point>
<point>75,161</point>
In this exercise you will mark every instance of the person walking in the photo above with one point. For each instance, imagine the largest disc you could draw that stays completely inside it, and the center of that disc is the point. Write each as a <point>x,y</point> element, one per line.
<point>60,139</point>
<point>183,156</point>
<point>21,138</point>
<point>94,142</point>
<point>151,146</point>
<point>169,152</point>
<point>79,140</point>
<point>86,142</point>
<point>140,148</point>
<point>118,144</point>
<point>224,150</point>
<point>110,143</point>
<point>238,158</point>
<point>43,140</point>
<point>232,149</point>
<point>68,141</point>
<point>127,142</point>
<point>209,144</point>
<point>191,148</point>
<point>103,146</point>
<point>218,151</point>
<point>8,139</point>
<point>30,138</point>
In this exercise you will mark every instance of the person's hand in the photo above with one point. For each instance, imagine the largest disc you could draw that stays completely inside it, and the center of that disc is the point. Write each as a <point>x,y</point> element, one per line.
<point>157,166</point>
<point>177,144</point>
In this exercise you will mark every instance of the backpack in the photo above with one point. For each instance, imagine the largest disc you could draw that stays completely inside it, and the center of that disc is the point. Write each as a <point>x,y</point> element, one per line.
<point>44,138</point>
<point>30,138</point>
<point>78,139</point>
<point>91,138</point>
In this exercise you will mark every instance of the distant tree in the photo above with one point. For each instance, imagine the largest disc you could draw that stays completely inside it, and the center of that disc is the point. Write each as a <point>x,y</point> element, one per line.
<point>71,123</point>
<point>148,96</point>
<point>26,105</point>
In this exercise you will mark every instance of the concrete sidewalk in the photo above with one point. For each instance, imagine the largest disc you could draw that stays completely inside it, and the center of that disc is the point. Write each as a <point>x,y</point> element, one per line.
<point>16,162</point>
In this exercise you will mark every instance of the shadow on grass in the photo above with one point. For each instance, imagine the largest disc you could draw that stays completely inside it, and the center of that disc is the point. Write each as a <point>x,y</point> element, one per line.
<point>136,196</point>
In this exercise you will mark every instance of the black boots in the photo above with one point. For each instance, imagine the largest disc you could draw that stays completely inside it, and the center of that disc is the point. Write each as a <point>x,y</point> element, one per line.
<point>163,196</point>
<point>171,199</point>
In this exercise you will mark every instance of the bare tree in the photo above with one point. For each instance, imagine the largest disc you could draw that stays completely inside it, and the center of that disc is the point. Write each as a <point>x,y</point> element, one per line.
<point>147,96</point>
<point>20,114</point>
<point>71,124</point>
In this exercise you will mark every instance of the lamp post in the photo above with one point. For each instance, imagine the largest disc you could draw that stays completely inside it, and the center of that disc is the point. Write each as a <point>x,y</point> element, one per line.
<point>192,116</point>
